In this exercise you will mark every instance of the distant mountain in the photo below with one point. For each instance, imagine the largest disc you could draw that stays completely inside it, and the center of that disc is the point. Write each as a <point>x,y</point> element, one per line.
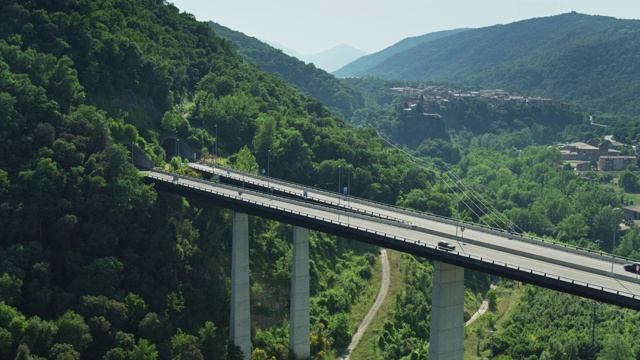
<point>342,98</point>
<point>334,58</point>
<point>363,64</point>
<point>285,50</point>
<point>328,60</point>
<point>593,61</point>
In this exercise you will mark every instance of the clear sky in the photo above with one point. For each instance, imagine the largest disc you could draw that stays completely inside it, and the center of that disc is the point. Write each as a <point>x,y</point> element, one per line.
<point>313,26</point>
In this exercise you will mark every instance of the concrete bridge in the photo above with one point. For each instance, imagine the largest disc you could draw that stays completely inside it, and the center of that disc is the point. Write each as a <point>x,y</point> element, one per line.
<point>577,271</point>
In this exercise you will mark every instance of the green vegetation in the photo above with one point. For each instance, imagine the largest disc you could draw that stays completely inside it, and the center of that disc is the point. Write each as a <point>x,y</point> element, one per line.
<point>590,61</point>
<point>97,262</point>
<point>94,264</point>
<point>341,98</point>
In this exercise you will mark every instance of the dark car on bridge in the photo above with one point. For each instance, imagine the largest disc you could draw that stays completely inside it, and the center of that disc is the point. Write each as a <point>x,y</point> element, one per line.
<point>633,267</point>
<point>445,245</point>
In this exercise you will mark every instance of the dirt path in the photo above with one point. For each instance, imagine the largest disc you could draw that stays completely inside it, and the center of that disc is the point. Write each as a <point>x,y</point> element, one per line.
<point>484,307</point>
<point>382,294</point>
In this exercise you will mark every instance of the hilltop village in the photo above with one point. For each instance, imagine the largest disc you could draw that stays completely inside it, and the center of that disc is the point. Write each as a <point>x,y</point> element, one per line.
<point>607,155</point>
<point>447,97</point>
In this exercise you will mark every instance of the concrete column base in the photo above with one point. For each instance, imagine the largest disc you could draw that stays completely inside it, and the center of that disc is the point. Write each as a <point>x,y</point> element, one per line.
<point>447,313</point>
<point>240,304</point>
<point>299,328</point>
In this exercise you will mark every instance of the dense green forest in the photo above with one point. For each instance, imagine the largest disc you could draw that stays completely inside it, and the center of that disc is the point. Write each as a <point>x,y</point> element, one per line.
<point>337,95</point>
<point>590,61</point>
<point>94,264</point>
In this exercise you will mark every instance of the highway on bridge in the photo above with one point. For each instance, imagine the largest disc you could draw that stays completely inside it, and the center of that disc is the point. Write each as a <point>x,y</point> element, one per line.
<point>579,272</point>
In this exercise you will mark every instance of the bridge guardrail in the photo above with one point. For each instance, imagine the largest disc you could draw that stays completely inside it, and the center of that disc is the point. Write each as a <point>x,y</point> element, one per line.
<point>360,215</point>
<point>396,238</point>
<point>295,194</point>
<point>478,227</point>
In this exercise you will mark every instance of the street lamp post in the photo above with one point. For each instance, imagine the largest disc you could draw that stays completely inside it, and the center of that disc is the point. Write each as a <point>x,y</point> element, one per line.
<point>215,149</point>
<point>268,170</point>
<point>348,186</point>
<point>339,170</point>
<point>613,244</point>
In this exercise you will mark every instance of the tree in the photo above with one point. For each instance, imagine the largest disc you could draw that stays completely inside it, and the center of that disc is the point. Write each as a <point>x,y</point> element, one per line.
<point>245,161</point>
<point>616,348</point>
<point>339,329</point>
<point>63,352</point>
<point>144,350</point>
<point>492,297</point>
<point>39,335</point>
<point>628,181</point>
<point>210,346</point>
<point>185,347</point>
<point>73,330</point>
<point>101,277</point>
<point>10,289</point>
<point>6,343</point>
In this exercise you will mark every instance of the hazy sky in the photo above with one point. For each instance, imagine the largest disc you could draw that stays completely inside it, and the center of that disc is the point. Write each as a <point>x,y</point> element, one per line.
<point>312,26</point>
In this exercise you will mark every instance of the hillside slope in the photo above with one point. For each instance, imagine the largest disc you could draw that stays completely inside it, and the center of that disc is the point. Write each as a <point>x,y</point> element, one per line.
<point>96,265</point>
<point>593,61</point>
<point>362,65</point>
<point>334,58</point>
<point>339,96</point>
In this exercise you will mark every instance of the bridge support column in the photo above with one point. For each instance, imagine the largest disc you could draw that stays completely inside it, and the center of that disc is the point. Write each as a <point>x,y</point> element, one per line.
<point>240,306</point>
<point>447,313</point>
<point>299,328</point>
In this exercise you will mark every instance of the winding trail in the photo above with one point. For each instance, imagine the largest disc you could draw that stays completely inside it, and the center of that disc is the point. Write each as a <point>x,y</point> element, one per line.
<point>485,305</point>
<point>382,294</point>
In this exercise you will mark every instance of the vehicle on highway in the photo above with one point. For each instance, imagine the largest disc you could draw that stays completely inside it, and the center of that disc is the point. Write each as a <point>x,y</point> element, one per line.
<point>445,245</point>
<point>633,267</point>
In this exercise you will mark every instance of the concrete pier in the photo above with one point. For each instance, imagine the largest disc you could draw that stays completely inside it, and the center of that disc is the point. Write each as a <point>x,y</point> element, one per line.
<point>240,305</point>
<point>299,330</point>
<point>447,313</point>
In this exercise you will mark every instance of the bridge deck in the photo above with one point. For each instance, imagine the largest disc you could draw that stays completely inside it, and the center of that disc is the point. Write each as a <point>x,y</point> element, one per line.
<point>563,269</point>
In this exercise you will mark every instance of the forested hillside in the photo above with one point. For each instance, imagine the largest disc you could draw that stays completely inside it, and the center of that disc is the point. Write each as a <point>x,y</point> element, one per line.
<point>360,66</point>
<point>591,61</point>
<point>339,96</point>
<point>94,264</point>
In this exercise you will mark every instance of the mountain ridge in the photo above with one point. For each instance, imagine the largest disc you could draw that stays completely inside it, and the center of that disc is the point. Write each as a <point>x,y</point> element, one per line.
<point>342,98</point>
<point>334,58</point>
<point>368,61</point>
<point>586,59</point>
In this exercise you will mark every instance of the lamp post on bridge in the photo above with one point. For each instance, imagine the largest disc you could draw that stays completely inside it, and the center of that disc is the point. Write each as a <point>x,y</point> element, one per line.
<point>613,244</point>
<point>348,186</point>
<point>268,170</point>
<point>339,184</point>
<point>215,153</point>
